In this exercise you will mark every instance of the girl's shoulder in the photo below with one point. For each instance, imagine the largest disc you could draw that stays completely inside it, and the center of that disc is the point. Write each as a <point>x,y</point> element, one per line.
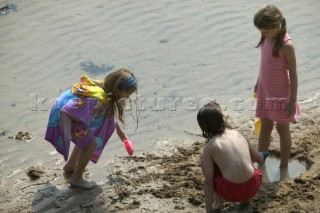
<point>287,42</point>
<point>286,38</point>
<point>287,46</point>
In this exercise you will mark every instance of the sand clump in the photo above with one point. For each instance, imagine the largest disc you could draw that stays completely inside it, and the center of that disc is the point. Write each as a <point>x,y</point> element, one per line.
<point>35,172</point>
<point>22,136</point>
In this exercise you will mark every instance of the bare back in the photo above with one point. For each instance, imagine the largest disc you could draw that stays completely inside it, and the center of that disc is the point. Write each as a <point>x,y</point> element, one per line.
<point>230,151</point>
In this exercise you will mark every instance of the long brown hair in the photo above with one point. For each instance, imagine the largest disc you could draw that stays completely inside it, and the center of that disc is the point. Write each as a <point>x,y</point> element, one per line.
<point>211,120</point>
<point>270,17</point>
<point>112,86</point>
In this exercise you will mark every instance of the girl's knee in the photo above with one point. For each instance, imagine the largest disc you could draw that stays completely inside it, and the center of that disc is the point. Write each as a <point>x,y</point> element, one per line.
<point>282,128</point>
<point>266,125</point>
<point>93,145</point>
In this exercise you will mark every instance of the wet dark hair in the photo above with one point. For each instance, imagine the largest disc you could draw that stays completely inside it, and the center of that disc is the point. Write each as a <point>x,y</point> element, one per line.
<point>270,17</point>
<point>211,120</point>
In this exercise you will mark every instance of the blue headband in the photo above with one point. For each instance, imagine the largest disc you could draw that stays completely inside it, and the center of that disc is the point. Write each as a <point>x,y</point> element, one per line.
<point>128,83</point>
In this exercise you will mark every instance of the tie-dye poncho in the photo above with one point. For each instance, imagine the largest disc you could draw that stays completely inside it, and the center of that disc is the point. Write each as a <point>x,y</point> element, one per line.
<point>80,115</point>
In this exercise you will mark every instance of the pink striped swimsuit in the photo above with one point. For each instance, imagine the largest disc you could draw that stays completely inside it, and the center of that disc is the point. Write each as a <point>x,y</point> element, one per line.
<point>274,86</point>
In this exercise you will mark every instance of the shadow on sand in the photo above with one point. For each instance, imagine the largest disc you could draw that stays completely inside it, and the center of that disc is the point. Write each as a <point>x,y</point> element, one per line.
<point>49,198</point>
<point>94,69</point>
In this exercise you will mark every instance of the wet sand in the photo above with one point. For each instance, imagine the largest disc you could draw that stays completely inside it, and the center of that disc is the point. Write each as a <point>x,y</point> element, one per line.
<point>169,179</point>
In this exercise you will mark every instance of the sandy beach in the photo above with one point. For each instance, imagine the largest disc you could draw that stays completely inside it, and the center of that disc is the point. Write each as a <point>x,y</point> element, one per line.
<point>184,54</point>
<point>168,179</point>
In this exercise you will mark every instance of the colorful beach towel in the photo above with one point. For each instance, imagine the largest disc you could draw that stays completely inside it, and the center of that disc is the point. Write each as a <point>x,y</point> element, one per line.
<point>80,115</point>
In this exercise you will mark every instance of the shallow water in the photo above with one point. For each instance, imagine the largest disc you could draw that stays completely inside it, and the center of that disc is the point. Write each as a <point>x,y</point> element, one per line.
<point>271,171</point>
<point>184,54</point>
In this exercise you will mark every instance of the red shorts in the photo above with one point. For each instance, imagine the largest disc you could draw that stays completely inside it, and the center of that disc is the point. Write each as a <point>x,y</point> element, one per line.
<point>236,192</point>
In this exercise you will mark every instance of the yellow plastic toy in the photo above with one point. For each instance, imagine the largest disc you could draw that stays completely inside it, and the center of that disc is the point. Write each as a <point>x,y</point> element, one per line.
<point>258,121</point>
<point>258,126</point>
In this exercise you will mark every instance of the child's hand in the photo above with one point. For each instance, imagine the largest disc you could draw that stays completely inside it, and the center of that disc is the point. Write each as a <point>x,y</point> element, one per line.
<point>129,146</point>
<point>291,108</point>
<point>255,89</point>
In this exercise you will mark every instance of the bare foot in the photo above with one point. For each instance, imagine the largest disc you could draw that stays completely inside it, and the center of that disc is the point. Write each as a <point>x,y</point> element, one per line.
<point>217,206</point>
<point>68,168</point>
<point>217,203</point>
<point>284,174</point>
<point>265,177</point>
<point>82,183</point>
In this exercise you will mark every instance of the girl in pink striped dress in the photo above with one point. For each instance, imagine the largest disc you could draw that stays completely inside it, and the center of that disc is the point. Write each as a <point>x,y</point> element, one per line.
<point>277,83</point>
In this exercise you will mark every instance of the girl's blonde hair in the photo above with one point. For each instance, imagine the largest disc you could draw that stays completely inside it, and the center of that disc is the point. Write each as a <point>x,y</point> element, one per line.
<point>118,81</point>
<point>270,17</point>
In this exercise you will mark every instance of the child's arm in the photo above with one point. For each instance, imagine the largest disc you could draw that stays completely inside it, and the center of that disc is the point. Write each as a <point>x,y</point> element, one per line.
<point>255,90</point>
<point>122,136</point>
<point>291,60</point>
<point>256,156</point>
<point>120,132</point>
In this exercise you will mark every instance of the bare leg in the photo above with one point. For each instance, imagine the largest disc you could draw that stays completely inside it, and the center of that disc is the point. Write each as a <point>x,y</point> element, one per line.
<point>83,160</point>
<point>217,201</point>
<point>285,143</point>
<point>72,162</point>
<point>265,134</point>
<point>284,174</point>
<point>265,177</point>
